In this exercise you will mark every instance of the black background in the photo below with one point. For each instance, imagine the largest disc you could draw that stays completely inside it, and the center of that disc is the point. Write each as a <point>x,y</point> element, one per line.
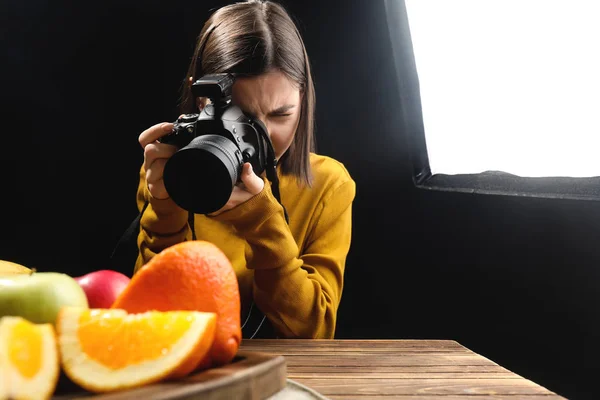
<point>512,278</point>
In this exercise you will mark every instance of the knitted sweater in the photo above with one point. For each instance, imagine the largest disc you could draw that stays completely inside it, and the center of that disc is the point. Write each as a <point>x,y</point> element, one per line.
<point>293,272</point>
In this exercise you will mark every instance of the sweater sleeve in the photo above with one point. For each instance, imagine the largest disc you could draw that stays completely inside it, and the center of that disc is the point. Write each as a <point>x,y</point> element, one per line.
<point>298,291</point>
<point>163,224</point>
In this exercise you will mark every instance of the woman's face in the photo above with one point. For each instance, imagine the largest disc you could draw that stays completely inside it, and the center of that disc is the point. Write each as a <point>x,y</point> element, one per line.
<point>275,100</point>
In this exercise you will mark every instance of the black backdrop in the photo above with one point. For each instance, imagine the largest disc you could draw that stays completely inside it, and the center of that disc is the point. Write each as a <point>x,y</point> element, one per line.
<point>512,278</point>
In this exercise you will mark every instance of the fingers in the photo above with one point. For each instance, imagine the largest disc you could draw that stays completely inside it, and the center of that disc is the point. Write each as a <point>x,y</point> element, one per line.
<point>253,184</point>
<point>155,157</point>
<point>156,171</point>
<point>156,151</point>
<point>154,133</point>
<point>238,196</point>
<point>157,190</point>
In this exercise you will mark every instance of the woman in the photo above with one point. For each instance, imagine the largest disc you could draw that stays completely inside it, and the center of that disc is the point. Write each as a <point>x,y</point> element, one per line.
<point>293,272</point>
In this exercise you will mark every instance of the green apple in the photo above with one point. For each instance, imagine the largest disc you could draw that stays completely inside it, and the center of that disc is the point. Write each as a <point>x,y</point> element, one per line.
<point>39,296</point>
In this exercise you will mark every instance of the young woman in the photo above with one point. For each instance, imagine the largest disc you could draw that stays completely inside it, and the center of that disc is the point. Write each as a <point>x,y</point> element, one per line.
<point>292,271</point>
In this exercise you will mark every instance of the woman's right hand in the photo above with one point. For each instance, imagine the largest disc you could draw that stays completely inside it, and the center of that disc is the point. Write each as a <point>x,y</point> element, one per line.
<point>156,155</point>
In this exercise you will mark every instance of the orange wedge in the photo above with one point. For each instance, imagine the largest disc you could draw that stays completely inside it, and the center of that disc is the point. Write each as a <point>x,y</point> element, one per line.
<point>103,350</point>
<point>193,275</point>
<point>29,365</point>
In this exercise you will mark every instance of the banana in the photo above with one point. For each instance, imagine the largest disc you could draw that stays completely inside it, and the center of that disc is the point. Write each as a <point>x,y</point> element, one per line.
<point>11,268</point>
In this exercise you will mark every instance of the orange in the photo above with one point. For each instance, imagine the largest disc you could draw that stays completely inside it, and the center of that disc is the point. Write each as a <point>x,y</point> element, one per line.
<point>29,364</point>
<point>103,350</point>
<point>192,275</point>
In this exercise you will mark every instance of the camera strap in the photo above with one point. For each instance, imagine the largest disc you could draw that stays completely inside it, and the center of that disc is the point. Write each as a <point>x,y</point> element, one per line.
<point>255,319</point>
<point>274,179</point>
<point>271,170</point>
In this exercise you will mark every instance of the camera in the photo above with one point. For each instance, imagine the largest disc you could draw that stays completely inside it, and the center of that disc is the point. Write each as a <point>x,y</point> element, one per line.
<point>213,146</point>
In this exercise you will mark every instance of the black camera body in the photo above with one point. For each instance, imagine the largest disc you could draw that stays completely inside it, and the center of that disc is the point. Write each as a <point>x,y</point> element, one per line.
<point>213,146</point>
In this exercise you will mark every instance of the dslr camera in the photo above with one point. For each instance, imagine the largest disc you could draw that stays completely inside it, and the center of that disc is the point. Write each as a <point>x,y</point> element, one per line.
<point>213,146</point>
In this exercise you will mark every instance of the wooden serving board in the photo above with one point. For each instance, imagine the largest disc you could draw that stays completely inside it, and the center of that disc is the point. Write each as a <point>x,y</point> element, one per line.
<point>251,375</point>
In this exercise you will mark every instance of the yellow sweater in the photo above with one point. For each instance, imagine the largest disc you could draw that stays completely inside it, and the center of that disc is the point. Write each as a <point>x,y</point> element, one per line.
<point>294,272</point>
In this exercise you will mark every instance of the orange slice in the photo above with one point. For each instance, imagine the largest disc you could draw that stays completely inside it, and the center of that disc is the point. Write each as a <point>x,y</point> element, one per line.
<point>29,365</point>
<point>104,350</point>
<point>193,275</point>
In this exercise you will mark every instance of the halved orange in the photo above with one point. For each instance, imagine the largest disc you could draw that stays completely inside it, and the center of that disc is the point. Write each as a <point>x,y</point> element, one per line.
<point>194,275</point>
<point>104,350</point>
<point>29,364</point>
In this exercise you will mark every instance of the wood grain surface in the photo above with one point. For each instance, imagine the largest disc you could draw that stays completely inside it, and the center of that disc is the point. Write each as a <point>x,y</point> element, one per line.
<point>398,369</point>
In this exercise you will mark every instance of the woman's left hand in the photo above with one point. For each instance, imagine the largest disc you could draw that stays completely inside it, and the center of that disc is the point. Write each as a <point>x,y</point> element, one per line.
<point>251,186</point>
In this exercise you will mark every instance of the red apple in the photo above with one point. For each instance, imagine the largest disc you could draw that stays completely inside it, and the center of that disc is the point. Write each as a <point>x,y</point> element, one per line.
<point>102,287</point>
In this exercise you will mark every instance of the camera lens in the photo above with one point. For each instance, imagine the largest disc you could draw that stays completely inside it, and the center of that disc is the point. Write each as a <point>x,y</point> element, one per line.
<point>200,176</point>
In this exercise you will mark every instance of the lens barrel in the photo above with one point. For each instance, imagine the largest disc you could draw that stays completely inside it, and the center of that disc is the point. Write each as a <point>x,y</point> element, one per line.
<point>200,176</point>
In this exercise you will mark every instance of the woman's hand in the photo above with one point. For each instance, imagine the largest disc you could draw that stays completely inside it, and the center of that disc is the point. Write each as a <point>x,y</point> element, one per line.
<point>251,186</point>
<point>156,155</point>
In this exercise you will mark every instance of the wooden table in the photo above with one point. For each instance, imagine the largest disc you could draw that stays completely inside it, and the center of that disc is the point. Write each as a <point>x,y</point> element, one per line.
<point>398,369</point>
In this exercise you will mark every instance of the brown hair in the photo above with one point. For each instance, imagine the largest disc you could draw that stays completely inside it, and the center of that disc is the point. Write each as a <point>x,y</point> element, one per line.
<point>251,38</point>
